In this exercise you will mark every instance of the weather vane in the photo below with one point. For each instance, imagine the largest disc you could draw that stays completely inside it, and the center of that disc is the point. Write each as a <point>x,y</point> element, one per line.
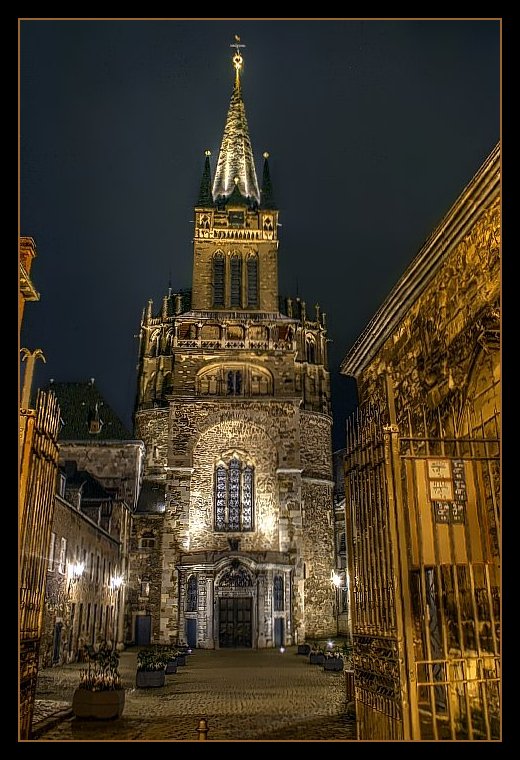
<point>237,58</point>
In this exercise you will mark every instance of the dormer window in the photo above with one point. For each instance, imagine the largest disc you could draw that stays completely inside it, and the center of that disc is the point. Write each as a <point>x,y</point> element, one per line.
<point>95,423</point>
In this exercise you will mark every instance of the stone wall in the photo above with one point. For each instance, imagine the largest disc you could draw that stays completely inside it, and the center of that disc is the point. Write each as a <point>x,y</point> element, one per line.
<point>84,538</point>
<point>316,445</point>
<point>117,465</point>
<point>145,563</point>
<point>317,552</point>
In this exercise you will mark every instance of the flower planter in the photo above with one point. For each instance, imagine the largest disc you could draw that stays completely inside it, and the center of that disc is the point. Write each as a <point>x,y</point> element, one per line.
<point>181,659</point>
<point>316,658</point>
<point>149,679</point>
<point>98,705</point>
<point>304,649</point>
<point>333,663</point>
<point>171,666</point>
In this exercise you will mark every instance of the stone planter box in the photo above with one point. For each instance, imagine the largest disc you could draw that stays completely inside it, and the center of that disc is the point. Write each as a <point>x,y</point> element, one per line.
<point>304,649</point>
<point>317,659</point>
<point>181,659</point>
<point>171,667</point>
<point>98,705</point>
<point>333,663</point>
<point>149,679</point>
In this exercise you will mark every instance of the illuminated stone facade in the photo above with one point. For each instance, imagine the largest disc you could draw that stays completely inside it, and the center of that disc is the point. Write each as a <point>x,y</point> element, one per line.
<point>234,528</point>
<point>82,606</point>
<point>423,486</point>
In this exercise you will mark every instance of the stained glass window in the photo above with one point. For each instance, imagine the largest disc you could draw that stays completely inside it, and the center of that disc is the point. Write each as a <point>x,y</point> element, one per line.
<point>278,593</point>
<point>220,498</point>
<point>234,496</point>
<point>218,280</point>
<point>191,594</point>
<point>247,499</point>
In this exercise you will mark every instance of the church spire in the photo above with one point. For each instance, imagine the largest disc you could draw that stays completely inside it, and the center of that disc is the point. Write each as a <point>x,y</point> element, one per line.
<point>205,198</point>
<point>267,187</point>
<point>236,166</point>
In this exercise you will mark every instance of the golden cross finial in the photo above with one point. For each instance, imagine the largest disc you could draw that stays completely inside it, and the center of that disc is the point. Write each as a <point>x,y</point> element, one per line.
<point>237,58</point>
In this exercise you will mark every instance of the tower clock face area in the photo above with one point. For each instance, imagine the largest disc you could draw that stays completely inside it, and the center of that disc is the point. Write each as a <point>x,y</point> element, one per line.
<point>236,218</point>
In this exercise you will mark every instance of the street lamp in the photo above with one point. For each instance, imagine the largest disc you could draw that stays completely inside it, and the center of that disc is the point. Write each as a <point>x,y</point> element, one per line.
<point>336,581</point>
<point>115,584</point>
<point>75,571</point>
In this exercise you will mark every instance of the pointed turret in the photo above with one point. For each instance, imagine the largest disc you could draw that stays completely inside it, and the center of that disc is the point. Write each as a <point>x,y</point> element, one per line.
<point>236,154</point>
<point>267,199</point>
<point>205,197</point>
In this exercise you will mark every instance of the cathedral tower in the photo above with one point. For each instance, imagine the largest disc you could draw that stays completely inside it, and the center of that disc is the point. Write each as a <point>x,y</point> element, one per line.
<point>234,530</point>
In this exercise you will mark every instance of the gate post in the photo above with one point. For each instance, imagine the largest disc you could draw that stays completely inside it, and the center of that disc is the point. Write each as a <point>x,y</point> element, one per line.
<point>401,572</point>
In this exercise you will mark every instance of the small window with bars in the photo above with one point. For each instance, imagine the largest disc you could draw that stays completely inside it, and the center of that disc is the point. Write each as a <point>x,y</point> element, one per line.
<point>278,593</point>
<point>191,594</point>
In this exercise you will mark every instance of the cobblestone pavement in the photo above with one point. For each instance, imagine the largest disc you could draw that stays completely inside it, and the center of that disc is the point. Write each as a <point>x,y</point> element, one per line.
<point>244,695</point>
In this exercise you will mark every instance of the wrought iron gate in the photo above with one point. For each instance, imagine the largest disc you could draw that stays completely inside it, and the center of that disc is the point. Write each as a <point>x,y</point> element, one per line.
<point>423,523</point>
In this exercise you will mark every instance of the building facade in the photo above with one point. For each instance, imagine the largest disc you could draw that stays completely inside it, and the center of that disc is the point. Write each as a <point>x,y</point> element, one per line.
<point>423,486</point>
<point>84,590</point>
<point>39,422</point>
<point>341,574</point>
<point>234,529</point>
<point>93,438</point>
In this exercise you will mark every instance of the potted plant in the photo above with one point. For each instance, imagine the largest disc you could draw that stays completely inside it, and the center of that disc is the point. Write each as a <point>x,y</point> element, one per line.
<point>333,661</point>
<point>170,655</point>
<point>316,655</point>
<point>304,649</point>
<point>151,667</point>
<point>100,695</point>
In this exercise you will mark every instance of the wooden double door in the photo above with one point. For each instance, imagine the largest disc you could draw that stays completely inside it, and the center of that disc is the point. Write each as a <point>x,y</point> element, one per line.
<point>235,622</point>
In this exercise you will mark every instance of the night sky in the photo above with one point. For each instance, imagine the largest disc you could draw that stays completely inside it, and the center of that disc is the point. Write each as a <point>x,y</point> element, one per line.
<point>373,130</point>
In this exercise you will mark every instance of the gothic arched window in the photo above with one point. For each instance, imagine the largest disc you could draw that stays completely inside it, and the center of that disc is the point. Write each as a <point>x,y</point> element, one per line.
<point>236,281</point>
<point>234,496</point>
<point>218,279</point>
<point>311,351</point>
<point>252,281</point>
<point>191,594</point>
<point>278,593</point>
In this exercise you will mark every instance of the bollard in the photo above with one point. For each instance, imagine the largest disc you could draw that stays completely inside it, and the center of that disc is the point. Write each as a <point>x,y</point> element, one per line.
<point>203,729</point>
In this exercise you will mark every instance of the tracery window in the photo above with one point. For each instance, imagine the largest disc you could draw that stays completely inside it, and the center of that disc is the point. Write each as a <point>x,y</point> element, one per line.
<point>234,496</point>
<point>311,351</point>
<point>278,593</point>
<point>191,594</point>
<point>218,279</point>
<point>236,281</point>
<point>234,382</point>
<point>252,281</point>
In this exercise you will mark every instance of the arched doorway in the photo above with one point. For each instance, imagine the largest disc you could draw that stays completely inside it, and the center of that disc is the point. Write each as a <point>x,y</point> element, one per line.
<point>235,607</point>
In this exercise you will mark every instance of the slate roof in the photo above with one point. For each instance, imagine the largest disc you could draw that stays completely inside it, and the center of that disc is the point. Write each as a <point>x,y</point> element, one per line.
<point>78,407</point>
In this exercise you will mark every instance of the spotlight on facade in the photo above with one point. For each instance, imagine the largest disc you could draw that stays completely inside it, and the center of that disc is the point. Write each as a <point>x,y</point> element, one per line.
<point>75,571</point>
<point>116,582</point>
<point>282,650</point>
<point>336,579</point>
